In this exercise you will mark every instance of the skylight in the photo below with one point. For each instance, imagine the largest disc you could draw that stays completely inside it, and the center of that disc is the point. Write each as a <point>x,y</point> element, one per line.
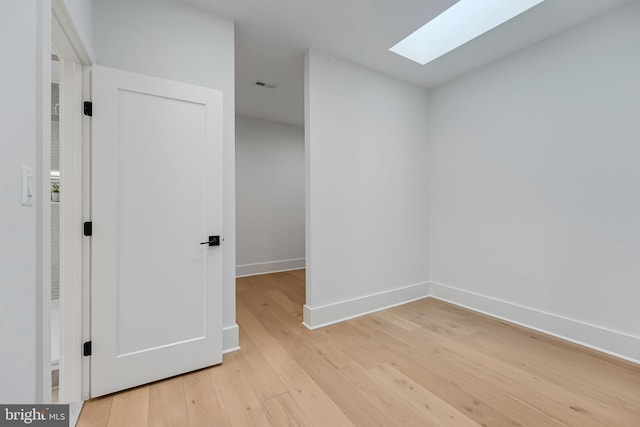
<point>462,22</point>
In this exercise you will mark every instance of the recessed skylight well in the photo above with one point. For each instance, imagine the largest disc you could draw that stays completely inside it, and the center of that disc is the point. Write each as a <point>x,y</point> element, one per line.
<point>462,22</point>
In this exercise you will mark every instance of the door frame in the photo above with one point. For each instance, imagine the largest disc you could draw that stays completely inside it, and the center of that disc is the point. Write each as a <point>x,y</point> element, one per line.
<point>75,131</point>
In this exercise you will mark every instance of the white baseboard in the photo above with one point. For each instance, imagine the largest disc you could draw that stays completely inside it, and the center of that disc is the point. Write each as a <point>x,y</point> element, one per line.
<point>318,317</point>
<point>230,339</point>
<point>269,267</point>
<point>74,412</point>
<point>615,343</point>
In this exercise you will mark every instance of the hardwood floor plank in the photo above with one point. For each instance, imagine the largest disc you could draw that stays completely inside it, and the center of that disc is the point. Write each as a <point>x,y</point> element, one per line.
<point>558,400</point>
<point>288,283</point>
<point>420,398</point>
<point>313,400</point>
<point>484,402</point>
<point>278,359</point>
<point>379,396</point>
<point>130,408</point>
<point>587,375</point>
<point>203,403</point>
<point>555,359</point>
<point>283,300</point>
<point>167,406</point>
<point>419,364</point>
<point>358,345</point>
<point>241,403</point>
<point>264,380</point>
<point>95,412</point>
<point>299,274</point>
<point>282,326</point>
<point>399,320</point>
<point>354,402</point>
<point>555,362</point>
<point>282,410</point>
<point>550,399</point>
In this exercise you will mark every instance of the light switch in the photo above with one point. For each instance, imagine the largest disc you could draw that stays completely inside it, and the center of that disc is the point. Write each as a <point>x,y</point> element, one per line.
<point>28,186</point>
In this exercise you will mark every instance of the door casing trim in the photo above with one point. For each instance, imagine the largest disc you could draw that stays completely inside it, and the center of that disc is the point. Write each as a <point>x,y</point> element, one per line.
<point>75,131</point>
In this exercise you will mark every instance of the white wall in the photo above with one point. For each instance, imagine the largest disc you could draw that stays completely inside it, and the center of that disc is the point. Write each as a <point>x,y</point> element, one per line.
<point>24,49</point>
<point>174,40</point>
<point>81,12</point>
<point>366,173</point>
<point>269,196</point>
<point>534,177</point>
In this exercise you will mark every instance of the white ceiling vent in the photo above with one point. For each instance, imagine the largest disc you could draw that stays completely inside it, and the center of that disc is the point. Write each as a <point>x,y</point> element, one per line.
<point>267,85</point>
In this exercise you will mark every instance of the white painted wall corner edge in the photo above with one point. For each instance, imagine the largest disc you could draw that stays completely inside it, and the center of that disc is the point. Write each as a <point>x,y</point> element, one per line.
<point>245,270</point>
<point>230,339</point>
<point>614,343</point>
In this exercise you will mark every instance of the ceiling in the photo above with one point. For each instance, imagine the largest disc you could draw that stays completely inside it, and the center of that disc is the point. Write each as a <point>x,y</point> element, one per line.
<point>273,35</point>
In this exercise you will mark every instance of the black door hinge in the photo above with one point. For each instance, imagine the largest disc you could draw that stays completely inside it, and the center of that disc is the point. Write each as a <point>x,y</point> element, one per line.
<point>86,348</point>
<point>88,228</point>
<point>88,108</point>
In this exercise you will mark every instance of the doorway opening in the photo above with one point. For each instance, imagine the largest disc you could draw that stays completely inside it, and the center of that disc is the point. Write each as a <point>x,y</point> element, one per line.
<point>270,218</point>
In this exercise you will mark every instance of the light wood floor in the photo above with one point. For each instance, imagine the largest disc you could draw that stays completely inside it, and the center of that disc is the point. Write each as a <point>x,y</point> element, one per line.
<point>427,363</point>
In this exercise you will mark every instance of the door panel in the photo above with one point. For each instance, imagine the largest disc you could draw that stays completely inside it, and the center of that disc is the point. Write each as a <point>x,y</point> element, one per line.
<point>156,194</point>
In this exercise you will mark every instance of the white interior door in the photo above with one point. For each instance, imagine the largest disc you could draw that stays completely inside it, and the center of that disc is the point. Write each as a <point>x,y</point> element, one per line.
<point>156,292</point>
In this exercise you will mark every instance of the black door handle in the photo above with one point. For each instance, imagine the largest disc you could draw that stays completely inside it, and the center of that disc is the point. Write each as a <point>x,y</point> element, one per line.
<point>213,241</point>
